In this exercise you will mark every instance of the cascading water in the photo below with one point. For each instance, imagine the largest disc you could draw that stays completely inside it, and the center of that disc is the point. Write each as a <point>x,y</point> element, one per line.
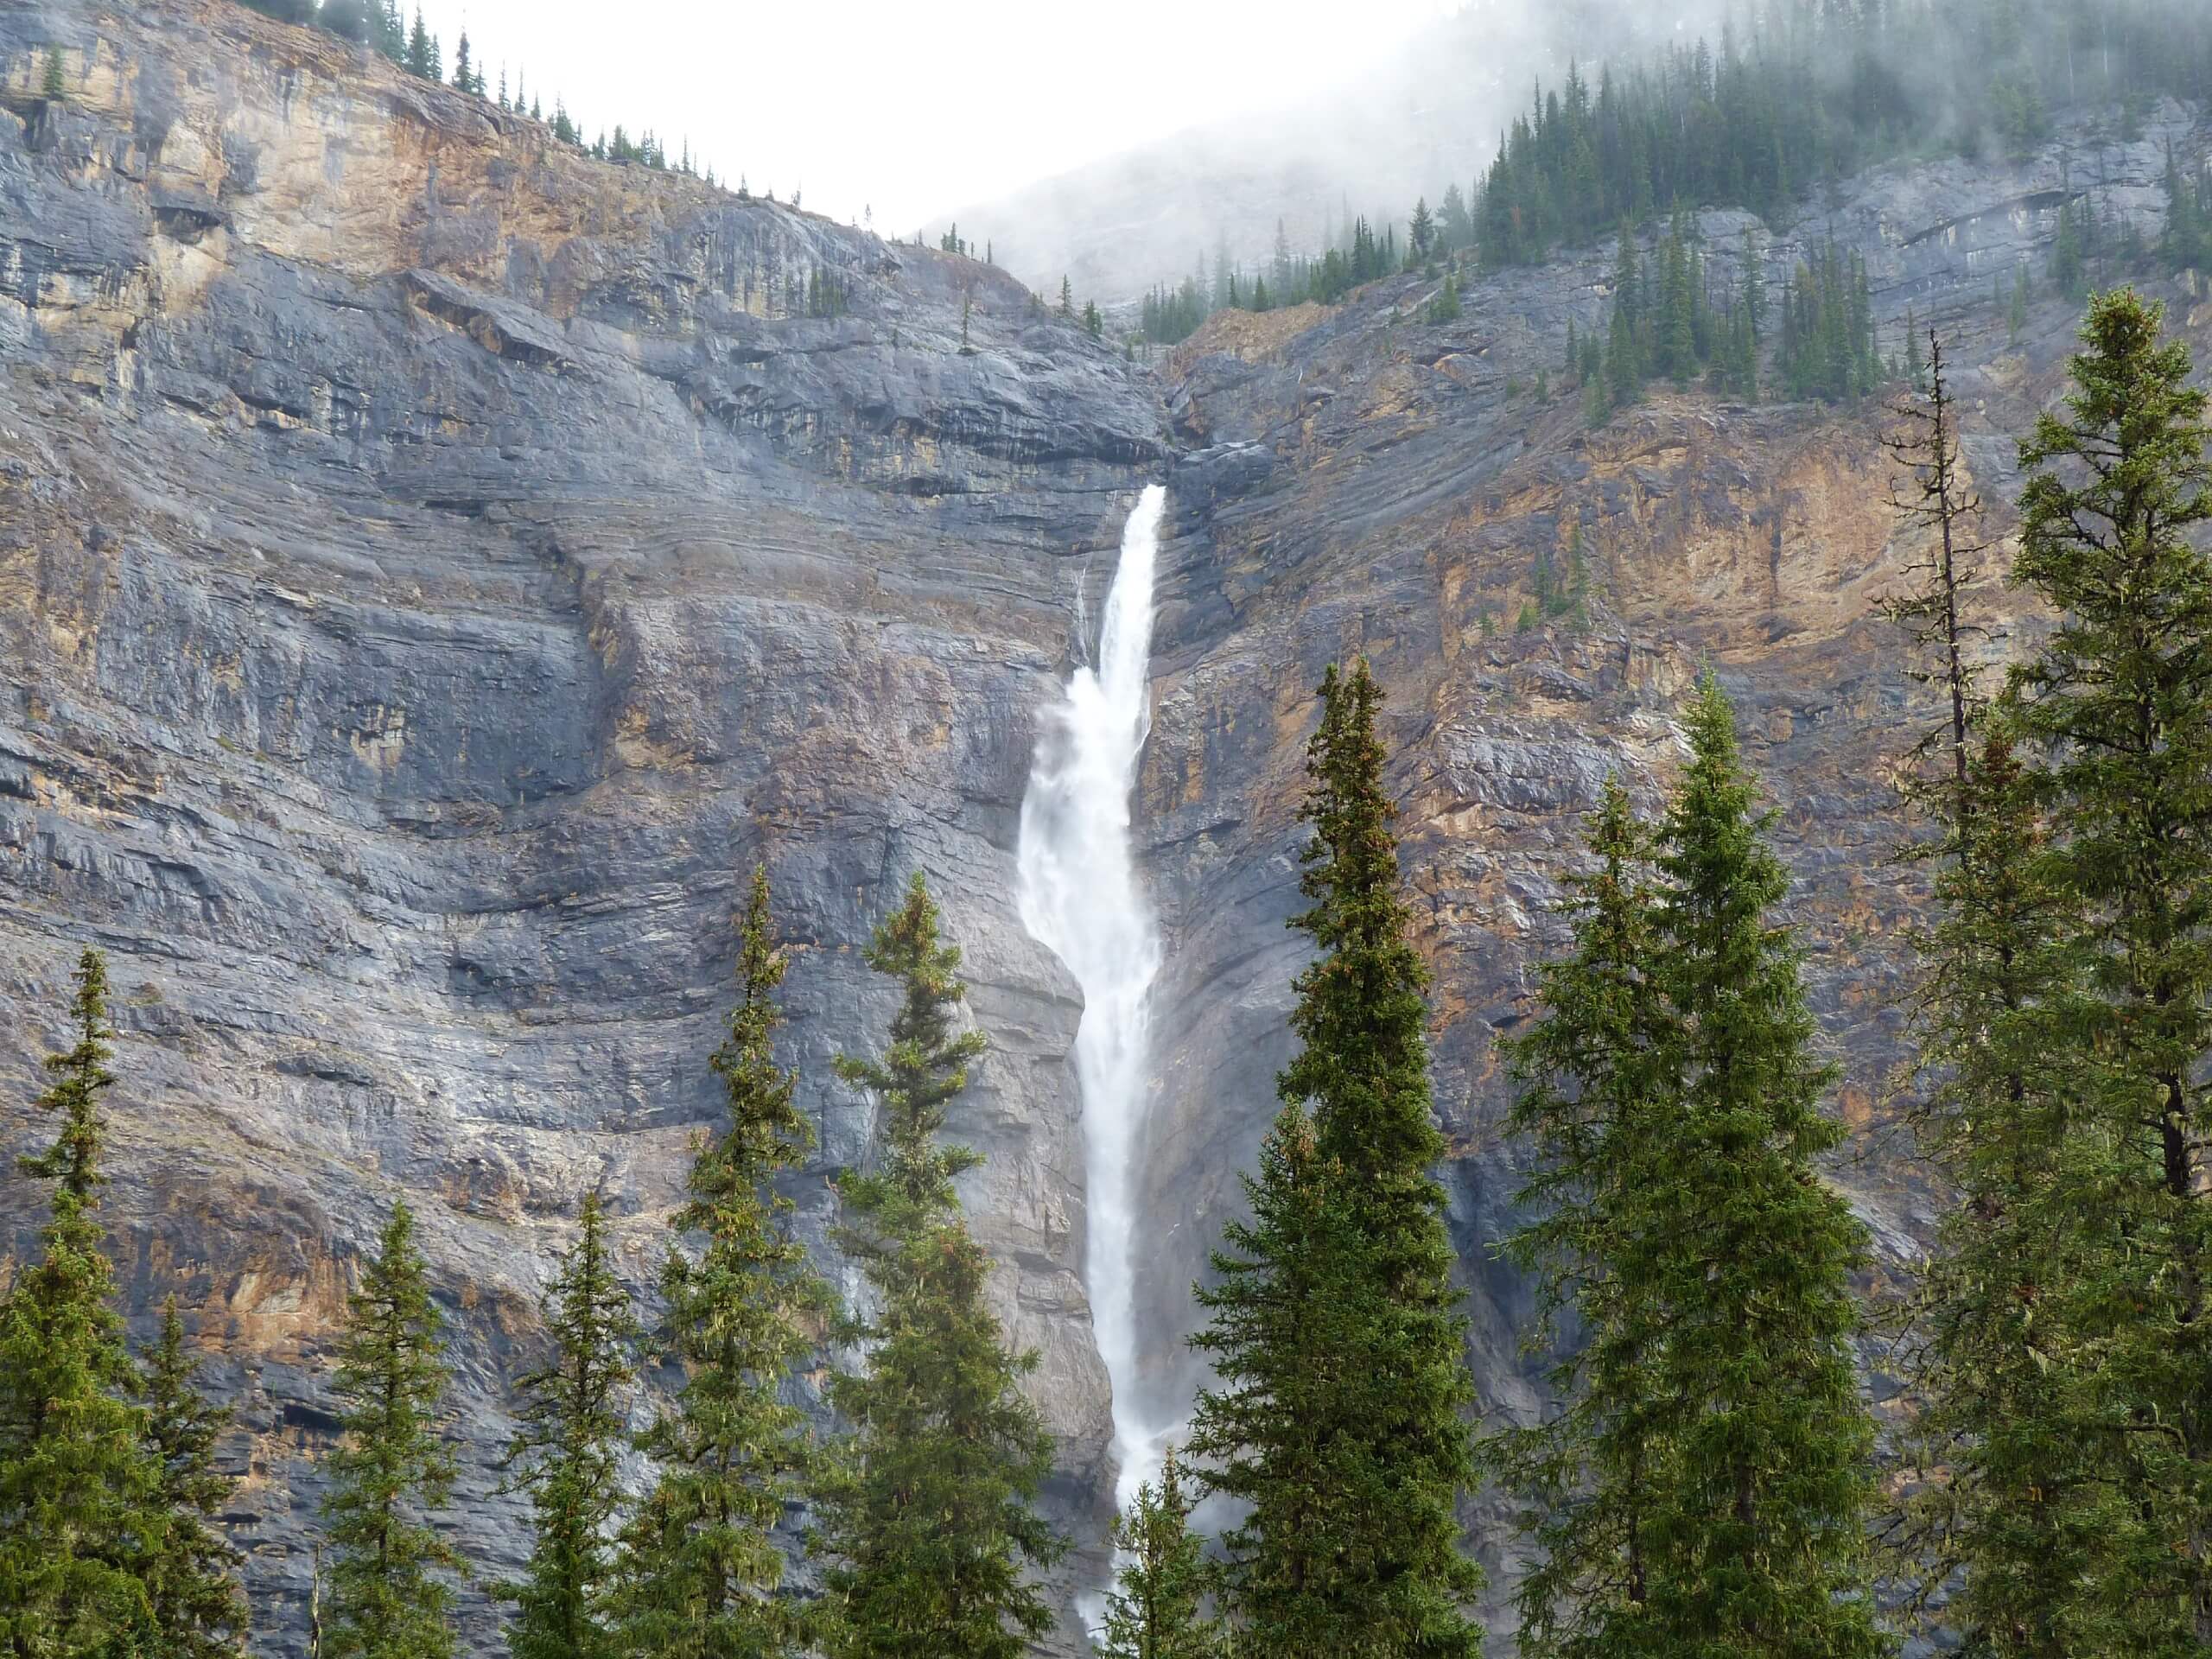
<point>1079,897</point>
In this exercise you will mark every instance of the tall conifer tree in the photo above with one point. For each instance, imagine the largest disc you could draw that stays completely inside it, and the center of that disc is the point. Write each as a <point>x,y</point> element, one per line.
<point>389,1573</point>
<point>2115,709</point>
<point>1337,1415</point>
<point>1596,1093</point>
<point>2000,1493</point>
<point>1705,1496</point>
<point>565,1453</point>
<point>199,1607</point>
<point>81,1515</point>
<point>703,1563</point>
<point>932,1535</point>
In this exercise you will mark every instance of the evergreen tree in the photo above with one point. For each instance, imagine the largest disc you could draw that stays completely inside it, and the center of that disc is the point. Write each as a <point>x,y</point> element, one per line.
<point>1336,1418</point>
<point>1705,1493</point>
<point>389,1593</point>
<point>1157,1609</point>
<point>422,53</point>
<point>929,1536</point>
<point>1596,1093</point>
<point>81,1516</point>
<point>199,1610</point>
<point>2115,712</point>
<point>2068,258</point>
<point>392,32</point>
<point>53,83</point>
<point>1067,298</point>
<point>565,1453</point>
<point>464,76</point>
<point>703,1562</point>
<point>1420,235</point>
<point>1998,1495</point>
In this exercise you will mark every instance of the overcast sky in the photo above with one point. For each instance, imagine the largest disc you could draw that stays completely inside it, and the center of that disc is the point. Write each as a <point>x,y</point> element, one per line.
<point>913,109</point>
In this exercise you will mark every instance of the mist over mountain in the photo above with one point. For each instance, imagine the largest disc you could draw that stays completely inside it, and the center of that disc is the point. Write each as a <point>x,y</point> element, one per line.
<point>1431,113</point>
<point>1889,79</point>
<point>453,566</point>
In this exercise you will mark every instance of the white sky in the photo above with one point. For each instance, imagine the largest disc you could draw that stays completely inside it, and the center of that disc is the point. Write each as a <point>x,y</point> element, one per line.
<point>917,109</point>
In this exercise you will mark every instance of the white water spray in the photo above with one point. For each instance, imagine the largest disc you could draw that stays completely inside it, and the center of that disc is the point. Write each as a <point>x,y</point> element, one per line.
<point>1079,898</point>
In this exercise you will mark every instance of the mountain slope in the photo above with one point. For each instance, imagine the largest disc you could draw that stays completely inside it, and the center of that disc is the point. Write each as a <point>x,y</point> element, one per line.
<point>437,566</point>
<point>433,567</point>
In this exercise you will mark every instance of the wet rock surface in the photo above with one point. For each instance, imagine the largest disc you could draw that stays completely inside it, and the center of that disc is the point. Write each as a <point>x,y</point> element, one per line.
<point>1358,479</point>
<point>433,567</point>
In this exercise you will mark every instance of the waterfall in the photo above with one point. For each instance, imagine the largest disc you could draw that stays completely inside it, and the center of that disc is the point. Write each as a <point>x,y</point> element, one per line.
<point>1079,898</point>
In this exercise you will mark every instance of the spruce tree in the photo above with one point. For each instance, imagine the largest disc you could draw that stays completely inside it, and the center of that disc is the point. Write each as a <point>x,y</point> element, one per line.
<point>1157,1609</point>
<point>2115,713</point>
<point>81,1516</point>
<point>2010,1507</point>
<point>388,1572</point>
<point>200,1609</point>
<point>1336,1417</point>
<point>422,52</point>
<point>702,1562</point>
<point>1705,1492</point>
<point>53,83</point>
<point>565,1453</point>
<point>931,1535</point>
<point>1596,1096</point>
<point>1762,1529</point>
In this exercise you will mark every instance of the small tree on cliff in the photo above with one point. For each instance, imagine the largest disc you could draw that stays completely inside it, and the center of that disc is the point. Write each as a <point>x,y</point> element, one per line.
<point>199,1608</point>
<point>930,1535</point>
<point>80,1511</point>
<point>1157,1608</point>
<point>703,1563</point>
<point>1338,1417</point>
<point>565,1453</point>
<point>422,52</point>
<point>389,1597</point>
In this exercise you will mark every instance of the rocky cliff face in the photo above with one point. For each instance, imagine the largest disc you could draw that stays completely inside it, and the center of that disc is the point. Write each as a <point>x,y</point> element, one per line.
<point>435,567</point>
<point>1359,480</point>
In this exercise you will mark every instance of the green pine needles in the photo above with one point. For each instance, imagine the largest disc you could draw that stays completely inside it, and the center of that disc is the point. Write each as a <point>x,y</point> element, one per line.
<point>1704,1488</point>
<point>565,1453</point>
<point>1337,1416</point>
<point>2069,1008</point>
<point>81,1494</point>
<point>930,1536</point>
<point>191,1580</point>
<point>702,1560</point>
<point>390,1574</point>
<point>1157,1609</point>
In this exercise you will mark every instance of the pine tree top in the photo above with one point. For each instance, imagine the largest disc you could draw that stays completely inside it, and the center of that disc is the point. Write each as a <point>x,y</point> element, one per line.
<point>81,1074</point>
<point>924,1068</point>
<point>1362,1016</point>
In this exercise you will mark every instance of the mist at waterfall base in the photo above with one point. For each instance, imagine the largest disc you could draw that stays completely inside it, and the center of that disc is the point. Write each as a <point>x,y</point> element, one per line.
<point>1079,896</point>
